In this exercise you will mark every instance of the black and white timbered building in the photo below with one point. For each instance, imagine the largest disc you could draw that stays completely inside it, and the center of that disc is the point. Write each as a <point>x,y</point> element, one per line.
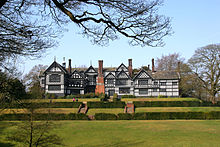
<point>122,80</point>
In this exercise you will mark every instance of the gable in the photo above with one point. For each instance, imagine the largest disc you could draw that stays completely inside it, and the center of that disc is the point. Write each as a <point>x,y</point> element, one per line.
<point>143,75</point>
<point>76,75</point>
<point>122,75</point>
<point>55,67</point>
<point>122,67</point>
<point>90,70</point>
<point>110,76</point>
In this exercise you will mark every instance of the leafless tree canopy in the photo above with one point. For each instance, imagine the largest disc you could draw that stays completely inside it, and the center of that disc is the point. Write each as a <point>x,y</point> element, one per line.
<point>169,62</point>
<point>27,27</point>
<point>206,64</point>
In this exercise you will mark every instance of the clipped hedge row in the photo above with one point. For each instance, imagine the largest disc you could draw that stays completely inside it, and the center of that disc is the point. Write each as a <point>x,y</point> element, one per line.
<point>117,104</point>
<point>105,116</point>
<point>42,116</point>
<point>159,116</point>
<point>47,105</point>
<point>167,103</point>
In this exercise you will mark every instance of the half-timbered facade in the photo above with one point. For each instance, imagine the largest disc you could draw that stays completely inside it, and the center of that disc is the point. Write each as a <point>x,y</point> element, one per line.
<point>122,80</point>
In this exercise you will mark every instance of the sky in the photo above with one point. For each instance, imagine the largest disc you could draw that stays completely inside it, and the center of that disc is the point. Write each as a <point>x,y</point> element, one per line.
<point>195,23</point>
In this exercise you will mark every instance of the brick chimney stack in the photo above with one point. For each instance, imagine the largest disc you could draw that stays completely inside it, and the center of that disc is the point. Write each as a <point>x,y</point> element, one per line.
<point>153,70</point>
<point>130,67</point>
<point>100,70</point>
<point>100,87</point>
<point>69,68</point>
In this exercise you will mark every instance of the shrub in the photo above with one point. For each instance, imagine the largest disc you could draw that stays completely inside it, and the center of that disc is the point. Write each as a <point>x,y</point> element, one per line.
<point>162,96</point>
<point>125,116</point>
<point>50,96</point>
<point>106,104</point>
<point>105,116</point>
<point>115,95</point>
<point>128,96</point>
<point>45,116</point>
<point>167,103</point>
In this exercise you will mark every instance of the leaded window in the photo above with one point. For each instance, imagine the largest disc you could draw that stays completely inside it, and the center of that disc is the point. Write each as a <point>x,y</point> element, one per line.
<point>54,78</point>
<point>121,82</point>
<point>163,83</point>
<point>110,81</point>
<point>124,90</point>
<point>174,83</point>
<point>54,87</point>
<point>163,90</point>
<point>143,91</point>
<point>142,82</point>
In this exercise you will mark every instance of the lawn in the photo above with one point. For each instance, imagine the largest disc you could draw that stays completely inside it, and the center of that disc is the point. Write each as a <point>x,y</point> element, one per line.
<point>105,110</point>
<point>176,109</point>
<point>172,133</point>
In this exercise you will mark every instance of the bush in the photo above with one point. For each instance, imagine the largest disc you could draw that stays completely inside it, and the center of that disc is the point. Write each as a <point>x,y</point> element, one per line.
<point>128,96</point>
<point>105,116</point>
<point>162,96</point>
<point>115,95</point>
<point>45,116</point>
<point>125,116</point>
<point>106,104</point>
<point>167,103</point>
<point>50,96</point>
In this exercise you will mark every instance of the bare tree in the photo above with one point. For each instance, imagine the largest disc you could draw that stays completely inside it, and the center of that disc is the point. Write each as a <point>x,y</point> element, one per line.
<point>33,76</point>
<point>28,28</point>
<point>206,64</point>
<point>35,133</point>
<point>169,62</point>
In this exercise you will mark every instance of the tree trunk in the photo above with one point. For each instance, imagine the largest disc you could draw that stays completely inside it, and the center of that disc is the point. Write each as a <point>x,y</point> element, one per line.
<point>2,2</point>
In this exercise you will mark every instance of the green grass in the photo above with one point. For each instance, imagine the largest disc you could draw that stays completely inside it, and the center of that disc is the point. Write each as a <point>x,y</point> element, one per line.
<point>190,133</point>
<point>176,109</point>
<point>105,110</point>
<point>159,99</point>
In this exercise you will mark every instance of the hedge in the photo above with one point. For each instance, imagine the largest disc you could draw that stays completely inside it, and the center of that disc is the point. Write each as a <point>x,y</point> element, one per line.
<point>120,116</point>
<point>125,116</point>
<point>42,116</point>
<point>46,105</point>
<point>117,104</point>
<point>105,116</point>
<point>167,103</point>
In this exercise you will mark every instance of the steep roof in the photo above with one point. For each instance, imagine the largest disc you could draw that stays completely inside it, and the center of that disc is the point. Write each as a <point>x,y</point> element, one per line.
<point>165,75</point>
<point>55,64</point>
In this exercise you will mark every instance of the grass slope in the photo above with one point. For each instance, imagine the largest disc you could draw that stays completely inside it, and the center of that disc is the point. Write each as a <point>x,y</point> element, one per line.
<point>132,133</point>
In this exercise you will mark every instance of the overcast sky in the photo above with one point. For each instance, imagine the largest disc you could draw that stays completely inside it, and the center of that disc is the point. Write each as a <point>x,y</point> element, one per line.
<point>196,23</point>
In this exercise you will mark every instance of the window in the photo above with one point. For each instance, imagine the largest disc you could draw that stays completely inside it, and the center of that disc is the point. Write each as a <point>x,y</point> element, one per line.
<point>121,82</point>
<point>154,90</point>
<point>110,81</point>
<point>162,90</point>
<point>43,81</point>
<point>163,83</point>
<point>124,90</point>
<point>142,82</point>
<point>174,83</point>
<point>143,91</point>
<point>54,78</point>
<point>155,83</point>
<point>54,87</point>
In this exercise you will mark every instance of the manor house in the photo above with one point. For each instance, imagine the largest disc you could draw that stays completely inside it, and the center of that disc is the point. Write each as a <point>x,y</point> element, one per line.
<point>123,80</point>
